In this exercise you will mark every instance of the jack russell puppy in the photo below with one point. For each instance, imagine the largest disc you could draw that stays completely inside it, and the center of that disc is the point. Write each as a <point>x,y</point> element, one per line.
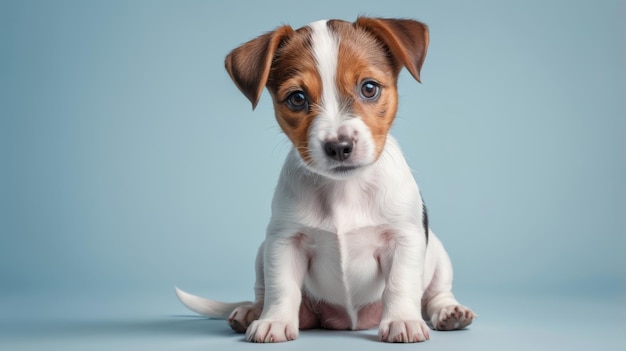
<point>348,244</point>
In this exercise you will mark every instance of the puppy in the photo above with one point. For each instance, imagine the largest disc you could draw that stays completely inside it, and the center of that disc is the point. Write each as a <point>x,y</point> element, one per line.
<point>348,244</point>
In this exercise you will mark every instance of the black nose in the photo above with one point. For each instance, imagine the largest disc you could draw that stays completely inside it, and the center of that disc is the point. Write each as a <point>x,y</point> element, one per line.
<point>338,150</point>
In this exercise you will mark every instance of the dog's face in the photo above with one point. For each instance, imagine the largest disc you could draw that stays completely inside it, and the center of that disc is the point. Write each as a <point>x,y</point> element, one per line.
<point>333,85</point>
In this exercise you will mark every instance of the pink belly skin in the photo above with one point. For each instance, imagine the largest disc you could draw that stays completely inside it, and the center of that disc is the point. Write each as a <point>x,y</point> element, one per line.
<point>314,314</point>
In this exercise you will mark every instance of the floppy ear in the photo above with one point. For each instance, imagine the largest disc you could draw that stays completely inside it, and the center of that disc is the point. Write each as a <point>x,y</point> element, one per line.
<point>249,65</point>
<point>407,40</point>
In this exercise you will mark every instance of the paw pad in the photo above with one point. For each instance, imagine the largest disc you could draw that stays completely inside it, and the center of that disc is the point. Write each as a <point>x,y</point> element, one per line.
<point>454,317</point>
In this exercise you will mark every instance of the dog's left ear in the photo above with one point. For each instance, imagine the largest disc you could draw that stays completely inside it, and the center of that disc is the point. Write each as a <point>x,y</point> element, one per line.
<point>249,65</point>
<point>407,40</point>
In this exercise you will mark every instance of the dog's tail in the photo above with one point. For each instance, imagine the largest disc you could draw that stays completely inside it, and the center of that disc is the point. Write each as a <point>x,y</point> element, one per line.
<point>206,307</point>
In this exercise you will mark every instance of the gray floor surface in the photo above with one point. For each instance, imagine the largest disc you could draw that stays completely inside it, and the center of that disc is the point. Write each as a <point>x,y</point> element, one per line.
<point>132,321</point>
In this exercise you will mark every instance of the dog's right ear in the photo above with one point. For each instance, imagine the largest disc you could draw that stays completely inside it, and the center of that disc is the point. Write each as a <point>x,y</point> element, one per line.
<point>249,65</point>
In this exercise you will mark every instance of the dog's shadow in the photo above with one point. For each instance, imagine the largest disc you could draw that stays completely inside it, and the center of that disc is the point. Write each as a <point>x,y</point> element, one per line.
<point>171,326</point>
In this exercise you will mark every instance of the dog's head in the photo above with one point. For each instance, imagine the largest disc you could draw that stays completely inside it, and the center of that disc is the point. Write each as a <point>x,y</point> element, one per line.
<point>333,84</point>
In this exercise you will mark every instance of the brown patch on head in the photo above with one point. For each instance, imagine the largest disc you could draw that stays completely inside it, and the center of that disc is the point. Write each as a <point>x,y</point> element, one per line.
<point>294,69</point>
<point>363,58</point>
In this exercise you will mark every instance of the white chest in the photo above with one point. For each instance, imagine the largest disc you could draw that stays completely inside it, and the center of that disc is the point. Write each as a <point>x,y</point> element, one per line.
<point>344,268</point>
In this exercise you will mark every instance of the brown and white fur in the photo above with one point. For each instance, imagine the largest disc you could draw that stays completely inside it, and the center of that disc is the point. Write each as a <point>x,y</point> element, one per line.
<point>348,244</point>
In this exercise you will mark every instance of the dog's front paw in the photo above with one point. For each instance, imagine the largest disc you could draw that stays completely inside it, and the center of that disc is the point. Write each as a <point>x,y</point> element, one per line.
<point>242,316</point>
<point>403,331</point>
<point>453,317</point>
<point>271,331</point>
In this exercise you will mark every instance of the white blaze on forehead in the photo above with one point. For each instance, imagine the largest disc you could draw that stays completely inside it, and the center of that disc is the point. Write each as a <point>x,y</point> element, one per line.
<point>334,121</point>
<point>326,50</point>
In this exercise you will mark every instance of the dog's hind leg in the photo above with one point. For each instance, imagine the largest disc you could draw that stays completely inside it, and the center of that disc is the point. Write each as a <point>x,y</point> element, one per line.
<point>440,308</point>
<point>241,317</point>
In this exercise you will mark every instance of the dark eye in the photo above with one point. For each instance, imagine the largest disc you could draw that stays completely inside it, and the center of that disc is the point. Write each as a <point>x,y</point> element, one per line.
<point>297,101</point>
<point>370,90</point>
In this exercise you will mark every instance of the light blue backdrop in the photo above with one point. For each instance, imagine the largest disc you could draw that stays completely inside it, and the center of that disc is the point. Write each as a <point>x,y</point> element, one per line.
<point>130,161</point>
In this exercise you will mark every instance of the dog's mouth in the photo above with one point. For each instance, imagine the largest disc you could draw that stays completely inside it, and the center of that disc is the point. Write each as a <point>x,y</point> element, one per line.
<point>336,171</point>
<point>344,169</point>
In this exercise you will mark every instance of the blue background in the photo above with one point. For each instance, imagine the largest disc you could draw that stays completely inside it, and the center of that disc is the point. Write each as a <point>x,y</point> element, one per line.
<point>130,163</point>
